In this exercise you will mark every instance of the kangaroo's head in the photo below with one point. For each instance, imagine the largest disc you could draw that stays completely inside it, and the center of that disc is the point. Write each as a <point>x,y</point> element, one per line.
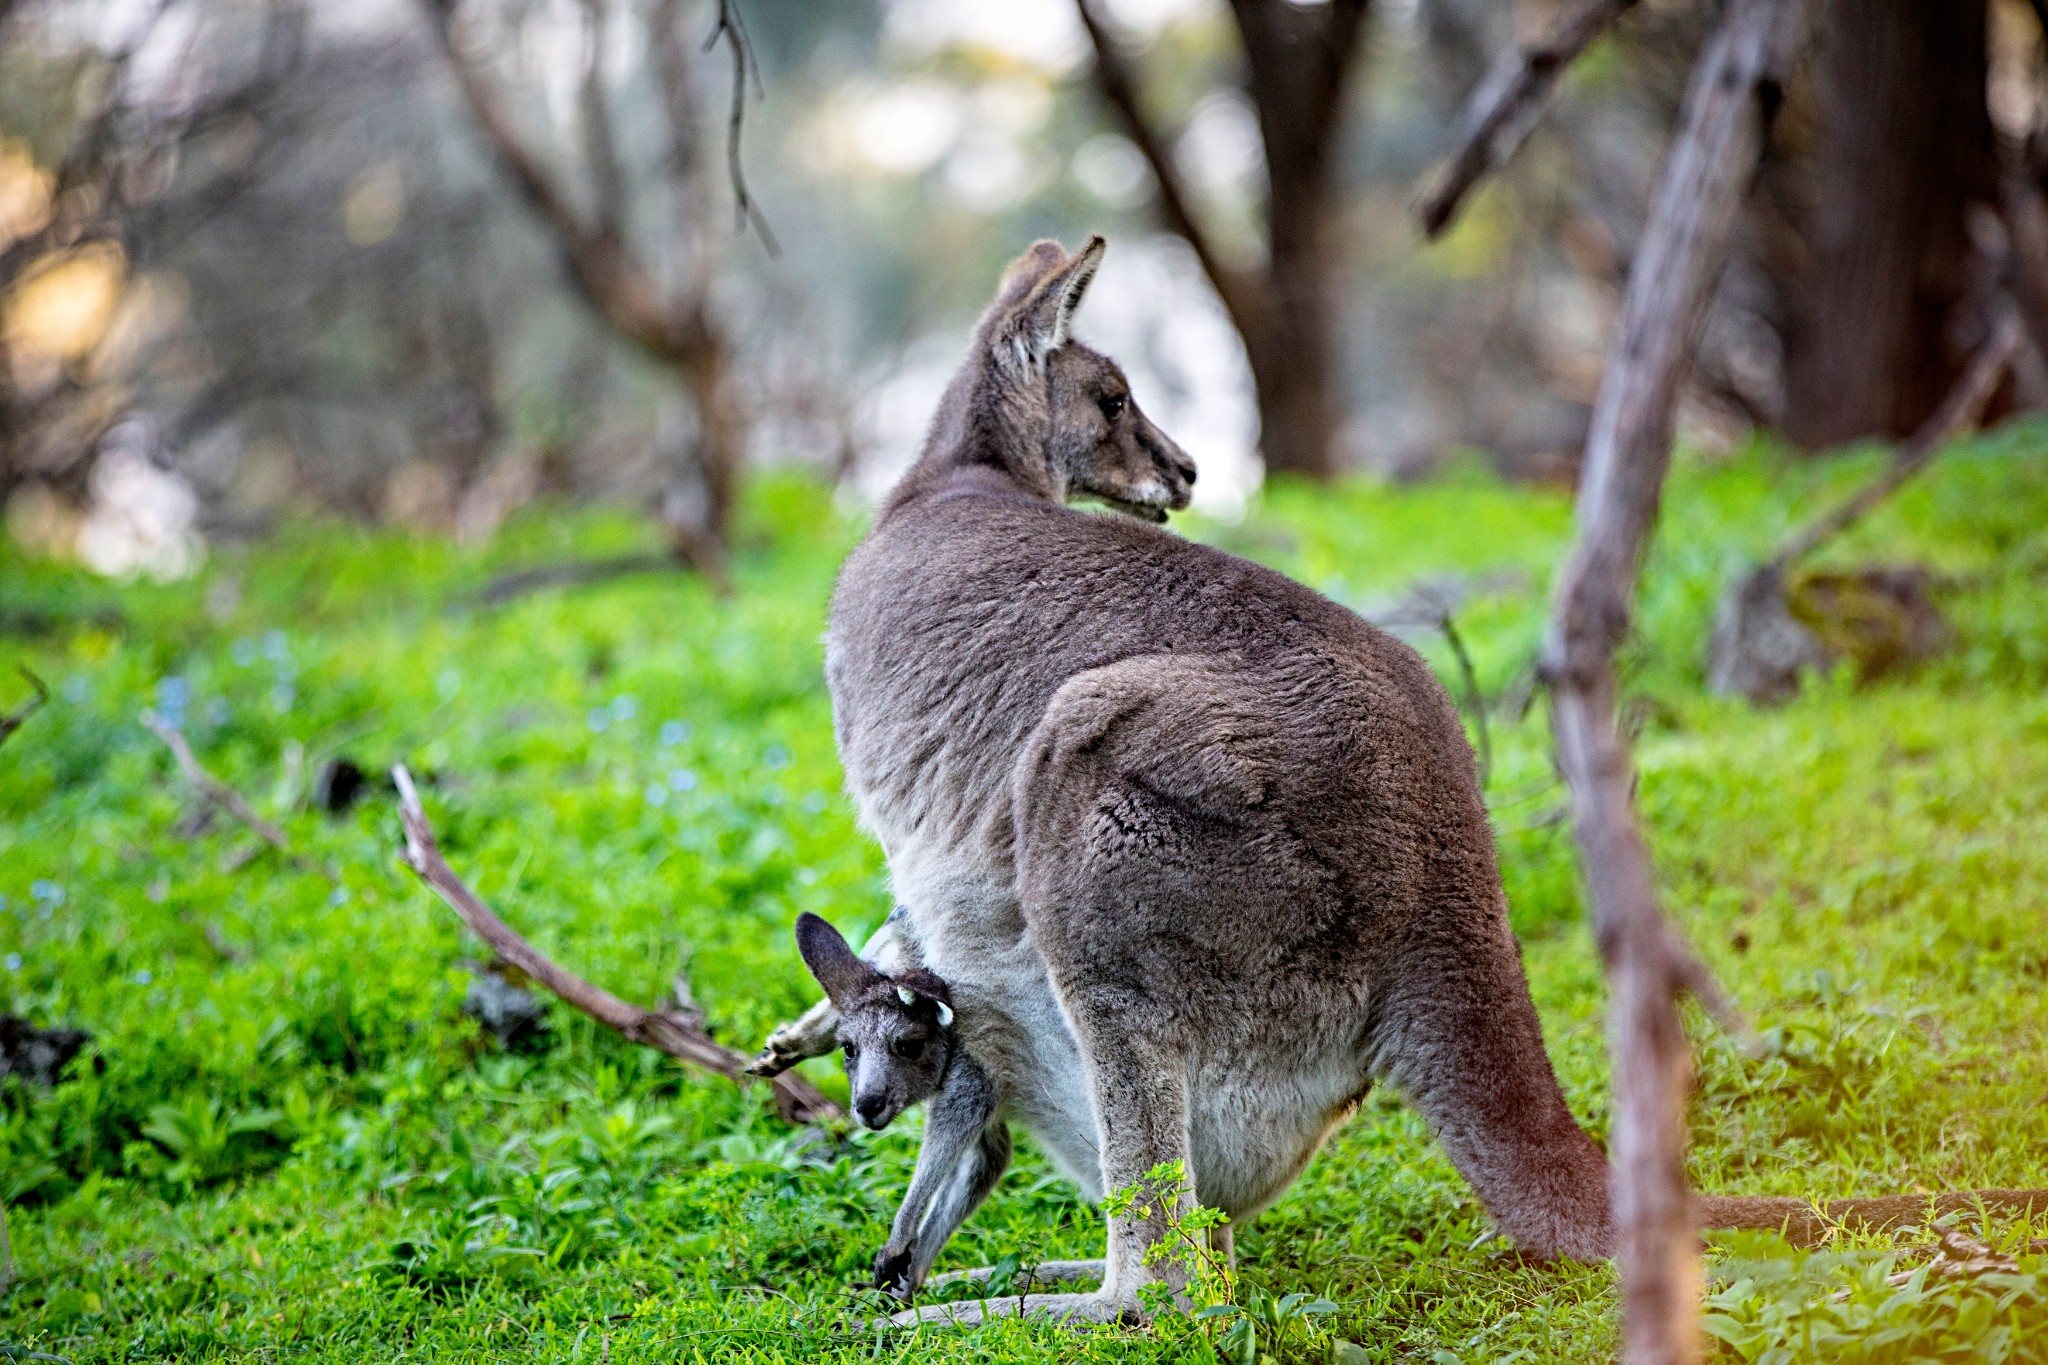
<point>897,1030</point>
<point>1069,427</point>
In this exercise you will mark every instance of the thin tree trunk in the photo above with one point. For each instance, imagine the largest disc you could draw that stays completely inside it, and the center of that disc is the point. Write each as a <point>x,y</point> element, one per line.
<point>1677,264</point>
<point>1298,63</point>
<point>1905,146</point>
<point>673,327</point>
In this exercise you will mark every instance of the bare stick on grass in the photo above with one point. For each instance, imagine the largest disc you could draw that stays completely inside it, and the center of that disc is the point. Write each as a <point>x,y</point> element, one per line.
<point>678,1032</point>
<point>225,797</point>
<point>1958,413</point>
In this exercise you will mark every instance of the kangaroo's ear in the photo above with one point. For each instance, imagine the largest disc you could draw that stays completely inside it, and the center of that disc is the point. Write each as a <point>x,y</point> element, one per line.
<point>1042,321</point>
<point>1023,274</point>
<point>918,984</point>
<point>832,960</point>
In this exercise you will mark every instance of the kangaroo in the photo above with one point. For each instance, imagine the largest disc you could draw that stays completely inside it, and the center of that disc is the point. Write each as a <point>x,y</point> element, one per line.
<point>901,1049</point>
<point>1199,854</point>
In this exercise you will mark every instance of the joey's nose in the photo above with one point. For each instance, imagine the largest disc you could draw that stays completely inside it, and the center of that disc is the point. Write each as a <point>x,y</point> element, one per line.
<point>871,1110</point>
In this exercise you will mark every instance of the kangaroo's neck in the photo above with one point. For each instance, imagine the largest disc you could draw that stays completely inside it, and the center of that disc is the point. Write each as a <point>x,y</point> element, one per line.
<point>983,436</point>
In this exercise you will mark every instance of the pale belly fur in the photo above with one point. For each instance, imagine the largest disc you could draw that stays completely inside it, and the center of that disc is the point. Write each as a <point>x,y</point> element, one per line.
<point>1250,1131</point>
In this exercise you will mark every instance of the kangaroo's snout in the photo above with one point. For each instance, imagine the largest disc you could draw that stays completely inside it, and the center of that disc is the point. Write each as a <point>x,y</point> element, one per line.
<point>873,1111</point>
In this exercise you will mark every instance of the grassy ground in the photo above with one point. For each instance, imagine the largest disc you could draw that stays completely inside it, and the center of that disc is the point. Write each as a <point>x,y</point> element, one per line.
<point>287,1143</point>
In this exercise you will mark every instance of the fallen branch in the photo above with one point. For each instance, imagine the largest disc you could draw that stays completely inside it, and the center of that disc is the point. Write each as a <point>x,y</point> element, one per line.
<point>14,719</point>
<point>1759,648</point>
<point>1807,1225</point>
<point>221,795</point>
<point>1506,107</point>
<point>678,1032</point>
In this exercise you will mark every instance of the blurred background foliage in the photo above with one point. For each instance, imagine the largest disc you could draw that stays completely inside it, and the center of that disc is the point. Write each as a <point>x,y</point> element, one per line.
<point>264,255</point>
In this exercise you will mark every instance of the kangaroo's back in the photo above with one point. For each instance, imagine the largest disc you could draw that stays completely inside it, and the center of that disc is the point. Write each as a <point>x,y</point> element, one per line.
<point>965,611</point>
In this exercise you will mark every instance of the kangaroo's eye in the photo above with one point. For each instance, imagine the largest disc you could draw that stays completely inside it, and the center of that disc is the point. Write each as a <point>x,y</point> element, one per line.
<point>909,1049</point>
<point>1112,406</point>
<point>852,1050</point>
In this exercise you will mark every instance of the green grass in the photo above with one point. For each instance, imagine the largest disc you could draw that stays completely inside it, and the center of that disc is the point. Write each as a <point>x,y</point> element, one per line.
<point>287,1144</point>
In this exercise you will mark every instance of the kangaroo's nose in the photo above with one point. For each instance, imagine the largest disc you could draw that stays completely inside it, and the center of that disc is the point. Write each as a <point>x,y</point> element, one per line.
<point>871,1109</point>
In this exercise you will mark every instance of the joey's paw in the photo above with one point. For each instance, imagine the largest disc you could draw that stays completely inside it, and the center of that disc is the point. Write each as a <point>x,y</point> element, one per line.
<point>769,1063</point>
<point>784,1049</point>
<point>892,1272</point>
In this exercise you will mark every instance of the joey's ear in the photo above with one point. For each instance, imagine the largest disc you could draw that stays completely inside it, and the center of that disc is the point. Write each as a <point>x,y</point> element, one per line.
<point>831,959</point>
<point>919,984</point>
<point>910,997</point>
<point>1043,321</point>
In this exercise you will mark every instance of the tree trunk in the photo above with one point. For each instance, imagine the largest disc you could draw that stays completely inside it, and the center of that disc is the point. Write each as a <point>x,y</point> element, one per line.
<point>1292,353</point>
<point>1904,146</point>
<point>700,535</point>
<point>1298,64</point>
<point>1684,245</point>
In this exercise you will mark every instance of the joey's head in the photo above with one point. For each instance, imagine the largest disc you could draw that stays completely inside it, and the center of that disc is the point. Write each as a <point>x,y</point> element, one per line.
<point>897,1030</point>
<point>1070,427</point>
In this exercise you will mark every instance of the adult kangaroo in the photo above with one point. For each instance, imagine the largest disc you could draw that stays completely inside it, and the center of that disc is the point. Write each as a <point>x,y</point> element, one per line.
<point>1200,853</point>
<point>1194,854</point>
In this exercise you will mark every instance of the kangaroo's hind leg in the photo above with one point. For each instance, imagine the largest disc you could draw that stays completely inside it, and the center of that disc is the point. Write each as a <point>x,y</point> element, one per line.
<point>1127,800</point>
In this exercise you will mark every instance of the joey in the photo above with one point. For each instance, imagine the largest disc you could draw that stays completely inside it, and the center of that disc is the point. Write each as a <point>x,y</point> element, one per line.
<point>901,1049</point>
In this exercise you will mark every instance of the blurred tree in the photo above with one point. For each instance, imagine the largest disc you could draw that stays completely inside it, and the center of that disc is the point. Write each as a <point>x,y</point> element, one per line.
<point>659,299</point>
<point>1298,61</point>
<point>1902,147</point>
<point>112,166</point>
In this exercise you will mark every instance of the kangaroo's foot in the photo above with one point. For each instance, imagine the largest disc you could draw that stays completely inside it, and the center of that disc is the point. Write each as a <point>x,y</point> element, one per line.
<point>1076,1310</point>
<point>1028,1277</point>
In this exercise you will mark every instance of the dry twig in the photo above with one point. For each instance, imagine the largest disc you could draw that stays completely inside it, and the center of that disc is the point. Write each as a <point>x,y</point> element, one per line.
<point>1958,413</point>
<point>1427,607</point>
<point>745,71</point>
<point>1506,107</point>
<point>13,720</point>
<point>575,574</point>
<point>678,1032</point>
<point>1677,263</point>
<point>221,795</point>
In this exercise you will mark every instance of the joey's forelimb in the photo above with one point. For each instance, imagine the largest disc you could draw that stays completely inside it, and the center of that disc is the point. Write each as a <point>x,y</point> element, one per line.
<point>965,1152</point>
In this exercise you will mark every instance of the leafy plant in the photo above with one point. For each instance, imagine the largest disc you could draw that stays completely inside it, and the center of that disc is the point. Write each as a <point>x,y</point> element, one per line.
<point>201,1143</point>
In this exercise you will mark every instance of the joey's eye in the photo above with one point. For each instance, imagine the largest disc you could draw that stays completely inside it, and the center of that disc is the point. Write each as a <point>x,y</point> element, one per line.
<point>909,1049</point>
<point>1112,406</point>
<point>852,1050</point>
